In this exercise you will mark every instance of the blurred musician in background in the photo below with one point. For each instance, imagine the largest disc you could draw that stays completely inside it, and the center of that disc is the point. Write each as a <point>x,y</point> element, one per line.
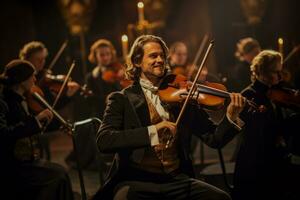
<point>261,160</point>
<point>246,50</point>
<point>178,58</point>
<point>240,77</point>
<point>24,174</point>
<point>102,80</point>
<point>36,53</point>
<point>105,77</point>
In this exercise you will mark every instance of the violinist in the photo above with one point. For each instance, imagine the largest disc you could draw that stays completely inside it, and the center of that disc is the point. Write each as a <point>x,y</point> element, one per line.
<point>246,50</point>
<point>24,174</point>
<point>104,78</point>
<point>136,124</point>
<point>178,62</point>
<point>178,58</point>
<point>260,160</point>
<point>36,53</point>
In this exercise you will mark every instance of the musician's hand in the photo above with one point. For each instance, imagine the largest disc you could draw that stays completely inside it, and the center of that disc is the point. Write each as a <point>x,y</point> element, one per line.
<point>166,124</point>
<point>45,116</point>
<point>65,129</point>
<point>236,106</point>
<point>73,87</point>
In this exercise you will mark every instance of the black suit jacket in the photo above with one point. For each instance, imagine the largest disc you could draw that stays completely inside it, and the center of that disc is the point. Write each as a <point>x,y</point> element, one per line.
<point>259,160</point>
<point>101,90</point>
<point>15,124</point>
<point>124,131</point>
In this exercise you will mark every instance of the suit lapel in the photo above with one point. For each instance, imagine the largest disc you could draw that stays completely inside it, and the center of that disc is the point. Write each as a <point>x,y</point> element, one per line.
<point>137,99</point>
<point>138,102</point>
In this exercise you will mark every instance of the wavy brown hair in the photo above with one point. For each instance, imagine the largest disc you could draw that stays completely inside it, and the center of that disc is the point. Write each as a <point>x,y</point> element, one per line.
<point>136,54</point>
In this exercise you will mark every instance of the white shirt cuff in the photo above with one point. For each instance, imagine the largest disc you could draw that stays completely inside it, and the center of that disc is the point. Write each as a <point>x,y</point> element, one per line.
<point>238,123</point>
<point>153,135</point>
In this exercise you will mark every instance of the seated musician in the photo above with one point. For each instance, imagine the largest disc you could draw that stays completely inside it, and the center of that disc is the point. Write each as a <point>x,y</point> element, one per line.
<point>36,53</point>
<point>102,80</point>
<point>259,169</point>
<point>178,57</point>
<point>133,127</point>
<point>23,173</point>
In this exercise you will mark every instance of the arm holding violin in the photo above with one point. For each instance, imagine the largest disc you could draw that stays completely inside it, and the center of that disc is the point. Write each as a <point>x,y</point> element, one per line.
<point>28,126</point>
<point>218,135</point>
<point>72,88</point>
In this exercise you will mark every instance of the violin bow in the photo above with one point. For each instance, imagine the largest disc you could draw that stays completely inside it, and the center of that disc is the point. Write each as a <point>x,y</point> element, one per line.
<point>54,60</point>
<point>45,103</point>
<point>57,97</point>
<point>193,87</point>
<point>294,50</point>
<point>199,52</point>
<point>195,61</point>
<point>58,54</point>
<point>64,84</point>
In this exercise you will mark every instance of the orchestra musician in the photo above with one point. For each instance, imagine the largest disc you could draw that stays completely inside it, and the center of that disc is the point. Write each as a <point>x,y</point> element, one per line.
<point>133,126</point>
<point>24,174</point>
<point>104,78</point>
<point>178,58</point>
<point>246,50</point>
<point>260,161</point>
<point>178,62</point>
<point>36,53</point>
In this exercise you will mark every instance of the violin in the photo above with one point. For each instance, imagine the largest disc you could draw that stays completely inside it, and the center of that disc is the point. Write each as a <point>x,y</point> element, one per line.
<point>33,105</point>
<point>115,73</point>
<point>179,70</point>
<point>55,82</point>
<point>174,89</point>
<point>285,96</point>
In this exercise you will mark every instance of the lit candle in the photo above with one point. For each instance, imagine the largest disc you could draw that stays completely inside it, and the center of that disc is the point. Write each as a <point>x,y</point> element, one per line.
<point>140,6</point>
<point>280,46</point>
<point>124,39</point>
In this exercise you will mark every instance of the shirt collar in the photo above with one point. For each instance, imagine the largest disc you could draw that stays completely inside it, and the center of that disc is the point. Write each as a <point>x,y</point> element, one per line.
<point>146,84</point>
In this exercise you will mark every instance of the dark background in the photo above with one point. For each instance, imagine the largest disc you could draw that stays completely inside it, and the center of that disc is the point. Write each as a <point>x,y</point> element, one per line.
<point>186,20</point>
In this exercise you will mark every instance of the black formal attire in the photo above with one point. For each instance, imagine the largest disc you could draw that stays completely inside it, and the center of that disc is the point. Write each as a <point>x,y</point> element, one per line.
<point>239,77</point>
<point>125,131</point>
<point>259,163</point>
<point>24,175</point>
<point>101,89</point>
<point>89,157</point>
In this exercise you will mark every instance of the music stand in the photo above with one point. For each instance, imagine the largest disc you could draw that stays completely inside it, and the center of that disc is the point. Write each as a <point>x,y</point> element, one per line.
<point>71,129</point>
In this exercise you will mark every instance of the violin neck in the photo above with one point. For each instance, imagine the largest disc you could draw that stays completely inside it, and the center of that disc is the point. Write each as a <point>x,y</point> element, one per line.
<point>212,91</point>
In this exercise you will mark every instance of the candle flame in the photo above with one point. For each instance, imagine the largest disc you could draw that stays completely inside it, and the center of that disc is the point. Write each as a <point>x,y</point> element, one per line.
<point>140,4</point>
<point>124,38</point>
